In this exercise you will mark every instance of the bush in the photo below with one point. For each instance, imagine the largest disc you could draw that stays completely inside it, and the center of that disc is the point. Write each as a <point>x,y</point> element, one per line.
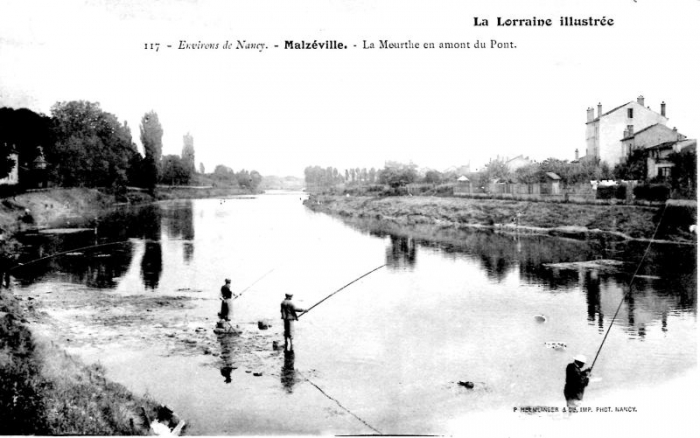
<point>652,192</point>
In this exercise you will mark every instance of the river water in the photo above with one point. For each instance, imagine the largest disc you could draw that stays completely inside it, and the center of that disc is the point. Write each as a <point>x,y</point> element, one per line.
<point>383,355</point>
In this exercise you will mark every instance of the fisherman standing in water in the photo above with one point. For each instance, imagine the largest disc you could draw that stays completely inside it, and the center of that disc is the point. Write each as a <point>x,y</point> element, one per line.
<point>226,301</point>
<point>576,381</point>
<point>289,314</point>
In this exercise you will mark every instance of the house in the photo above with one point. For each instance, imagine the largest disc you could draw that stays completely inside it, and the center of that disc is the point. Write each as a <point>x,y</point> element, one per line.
<point>658,164</point>
<point>650,136</point>
<point>604,132</point>
<point>552,186</point>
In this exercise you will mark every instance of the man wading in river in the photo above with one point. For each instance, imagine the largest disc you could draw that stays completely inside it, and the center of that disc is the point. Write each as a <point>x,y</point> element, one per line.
<point>226,300</point>
<point>576,381</point>
<point>289,315</point>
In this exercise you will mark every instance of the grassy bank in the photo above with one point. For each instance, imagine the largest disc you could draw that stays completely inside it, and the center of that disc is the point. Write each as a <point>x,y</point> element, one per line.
<point>573,220</point>
<point>46,392</point>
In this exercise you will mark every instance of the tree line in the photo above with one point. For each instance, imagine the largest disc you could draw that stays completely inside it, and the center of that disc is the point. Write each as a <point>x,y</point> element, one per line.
<point>82,145</point>
<point>395,175</point>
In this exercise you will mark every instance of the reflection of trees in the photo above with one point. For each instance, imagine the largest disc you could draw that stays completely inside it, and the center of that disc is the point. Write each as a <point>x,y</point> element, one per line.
<point>401,253</point>
<point>151,264</point>
<point>179,224</point>
<point>94,267</point>
<point>591,285</point>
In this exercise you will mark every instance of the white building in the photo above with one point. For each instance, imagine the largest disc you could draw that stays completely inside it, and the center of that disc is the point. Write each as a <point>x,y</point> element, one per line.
<point>605,132</point>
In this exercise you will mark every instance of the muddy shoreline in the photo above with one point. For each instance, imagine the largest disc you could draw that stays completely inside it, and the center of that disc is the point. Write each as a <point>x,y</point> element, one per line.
<point>561,220</point>
<point>46,388</point>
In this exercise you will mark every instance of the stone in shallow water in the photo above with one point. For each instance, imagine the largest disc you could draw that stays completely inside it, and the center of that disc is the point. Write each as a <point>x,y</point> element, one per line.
<point>264,324</point>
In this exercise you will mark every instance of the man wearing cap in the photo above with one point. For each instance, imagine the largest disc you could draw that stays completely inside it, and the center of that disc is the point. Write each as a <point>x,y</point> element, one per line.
<point>289,314</point>
<point>226,300</point>
<point>576,381</point>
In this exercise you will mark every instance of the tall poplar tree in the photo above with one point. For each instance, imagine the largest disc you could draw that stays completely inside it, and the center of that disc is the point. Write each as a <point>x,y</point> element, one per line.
<point>152,141</point>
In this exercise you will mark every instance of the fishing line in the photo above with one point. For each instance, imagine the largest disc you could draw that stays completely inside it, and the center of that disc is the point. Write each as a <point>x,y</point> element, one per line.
<point>354,281</point>
<point>66,252</point>
<point>338,403</point>
<point>629,287</point>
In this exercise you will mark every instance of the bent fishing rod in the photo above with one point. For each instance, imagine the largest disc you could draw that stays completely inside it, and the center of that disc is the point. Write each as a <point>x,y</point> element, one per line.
<point>354,281</point>
<point>629,289</point>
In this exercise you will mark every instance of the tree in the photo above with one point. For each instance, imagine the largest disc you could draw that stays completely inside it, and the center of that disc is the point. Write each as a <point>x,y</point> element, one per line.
<point>495,169</point>
<point>398,175</point>
<point>684,174</point>
<point>91,147</point>
<point>633,168</point>
<point>174,170</point>
<point>152,141</point>
<point>188,153</point>
<point>433,177</point>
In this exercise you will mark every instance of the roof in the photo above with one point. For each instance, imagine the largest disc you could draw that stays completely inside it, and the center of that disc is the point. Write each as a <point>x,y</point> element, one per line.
<point>642,130</point>
<point>462,178</point>
<point>609,112</point>
<point>553,175</point>
<point>682,144</point>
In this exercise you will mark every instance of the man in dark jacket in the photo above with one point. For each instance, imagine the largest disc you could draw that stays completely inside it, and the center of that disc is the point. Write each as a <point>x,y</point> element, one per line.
<point>289,314</point>
<point>226,300</point>
<point>576,381</point>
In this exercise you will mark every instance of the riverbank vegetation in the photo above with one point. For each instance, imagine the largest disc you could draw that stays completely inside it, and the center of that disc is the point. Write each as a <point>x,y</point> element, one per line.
<point>82,145</point>
<point>44,391</point>
<point>570,220</point>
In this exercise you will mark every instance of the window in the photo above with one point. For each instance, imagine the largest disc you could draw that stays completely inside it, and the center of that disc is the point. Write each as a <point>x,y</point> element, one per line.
<point>630,113</point>
<point>664,172</point>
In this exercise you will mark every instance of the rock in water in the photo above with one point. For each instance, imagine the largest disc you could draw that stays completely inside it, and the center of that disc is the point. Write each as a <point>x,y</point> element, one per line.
<point>468,385</point>
<point>276,345</point>
<point>555,345</point>
<point>264,324</point>
<point>541,318</point>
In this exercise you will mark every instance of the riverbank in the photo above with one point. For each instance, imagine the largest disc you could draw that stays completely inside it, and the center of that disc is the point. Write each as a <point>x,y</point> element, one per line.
<point>45,391</point>
<point>559,219</point>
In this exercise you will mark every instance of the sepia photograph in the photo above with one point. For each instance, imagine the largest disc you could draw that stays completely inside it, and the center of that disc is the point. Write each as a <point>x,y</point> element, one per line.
<point>349,218</point>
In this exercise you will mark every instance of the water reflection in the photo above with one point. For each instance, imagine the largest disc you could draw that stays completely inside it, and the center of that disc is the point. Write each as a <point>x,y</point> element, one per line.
<point>401,254</point>
<point>591,285</point>
<point>99,267</point>
<point>152,264</point>
<point>179,225</point>
<point>227,344</point>
<point>288,375</point>
<point>667,282</point>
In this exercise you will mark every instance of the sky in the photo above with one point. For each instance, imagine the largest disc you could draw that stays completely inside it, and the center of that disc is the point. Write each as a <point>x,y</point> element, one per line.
<point>278,111</point>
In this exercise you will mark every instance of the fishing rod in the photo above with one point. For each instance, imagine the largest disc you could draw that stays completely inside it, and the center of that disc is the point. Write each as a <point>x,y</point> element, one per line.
<point>244,290</point>
<point>19,265</point>
<point>629,289</point>
<point>254,283</point>
<point>354,281</point>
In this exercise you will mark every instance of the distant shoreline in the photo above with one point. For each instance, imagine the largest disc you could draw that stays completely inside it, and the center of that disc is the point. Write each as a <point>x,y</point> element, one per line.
<point>557,219</point>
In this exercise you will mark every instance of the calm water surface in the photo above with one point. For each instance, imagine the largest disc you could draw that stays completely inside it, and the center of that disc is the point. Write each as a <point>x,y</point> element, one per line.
<point>451,305</point>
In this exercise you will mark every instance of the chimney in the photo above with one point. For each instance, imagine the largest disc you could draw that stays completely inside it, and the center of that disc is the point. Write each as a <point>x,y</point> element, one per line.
<point>663,109</point>
<point>576,153</point>
<point>589,114</point>
<point>640,100</point>
<point>600,109</point>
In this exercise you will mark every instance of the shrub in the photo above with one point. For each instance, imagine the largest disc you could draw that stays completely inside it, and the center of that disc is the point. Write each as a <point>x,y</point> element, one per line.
<point>652,192</point>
